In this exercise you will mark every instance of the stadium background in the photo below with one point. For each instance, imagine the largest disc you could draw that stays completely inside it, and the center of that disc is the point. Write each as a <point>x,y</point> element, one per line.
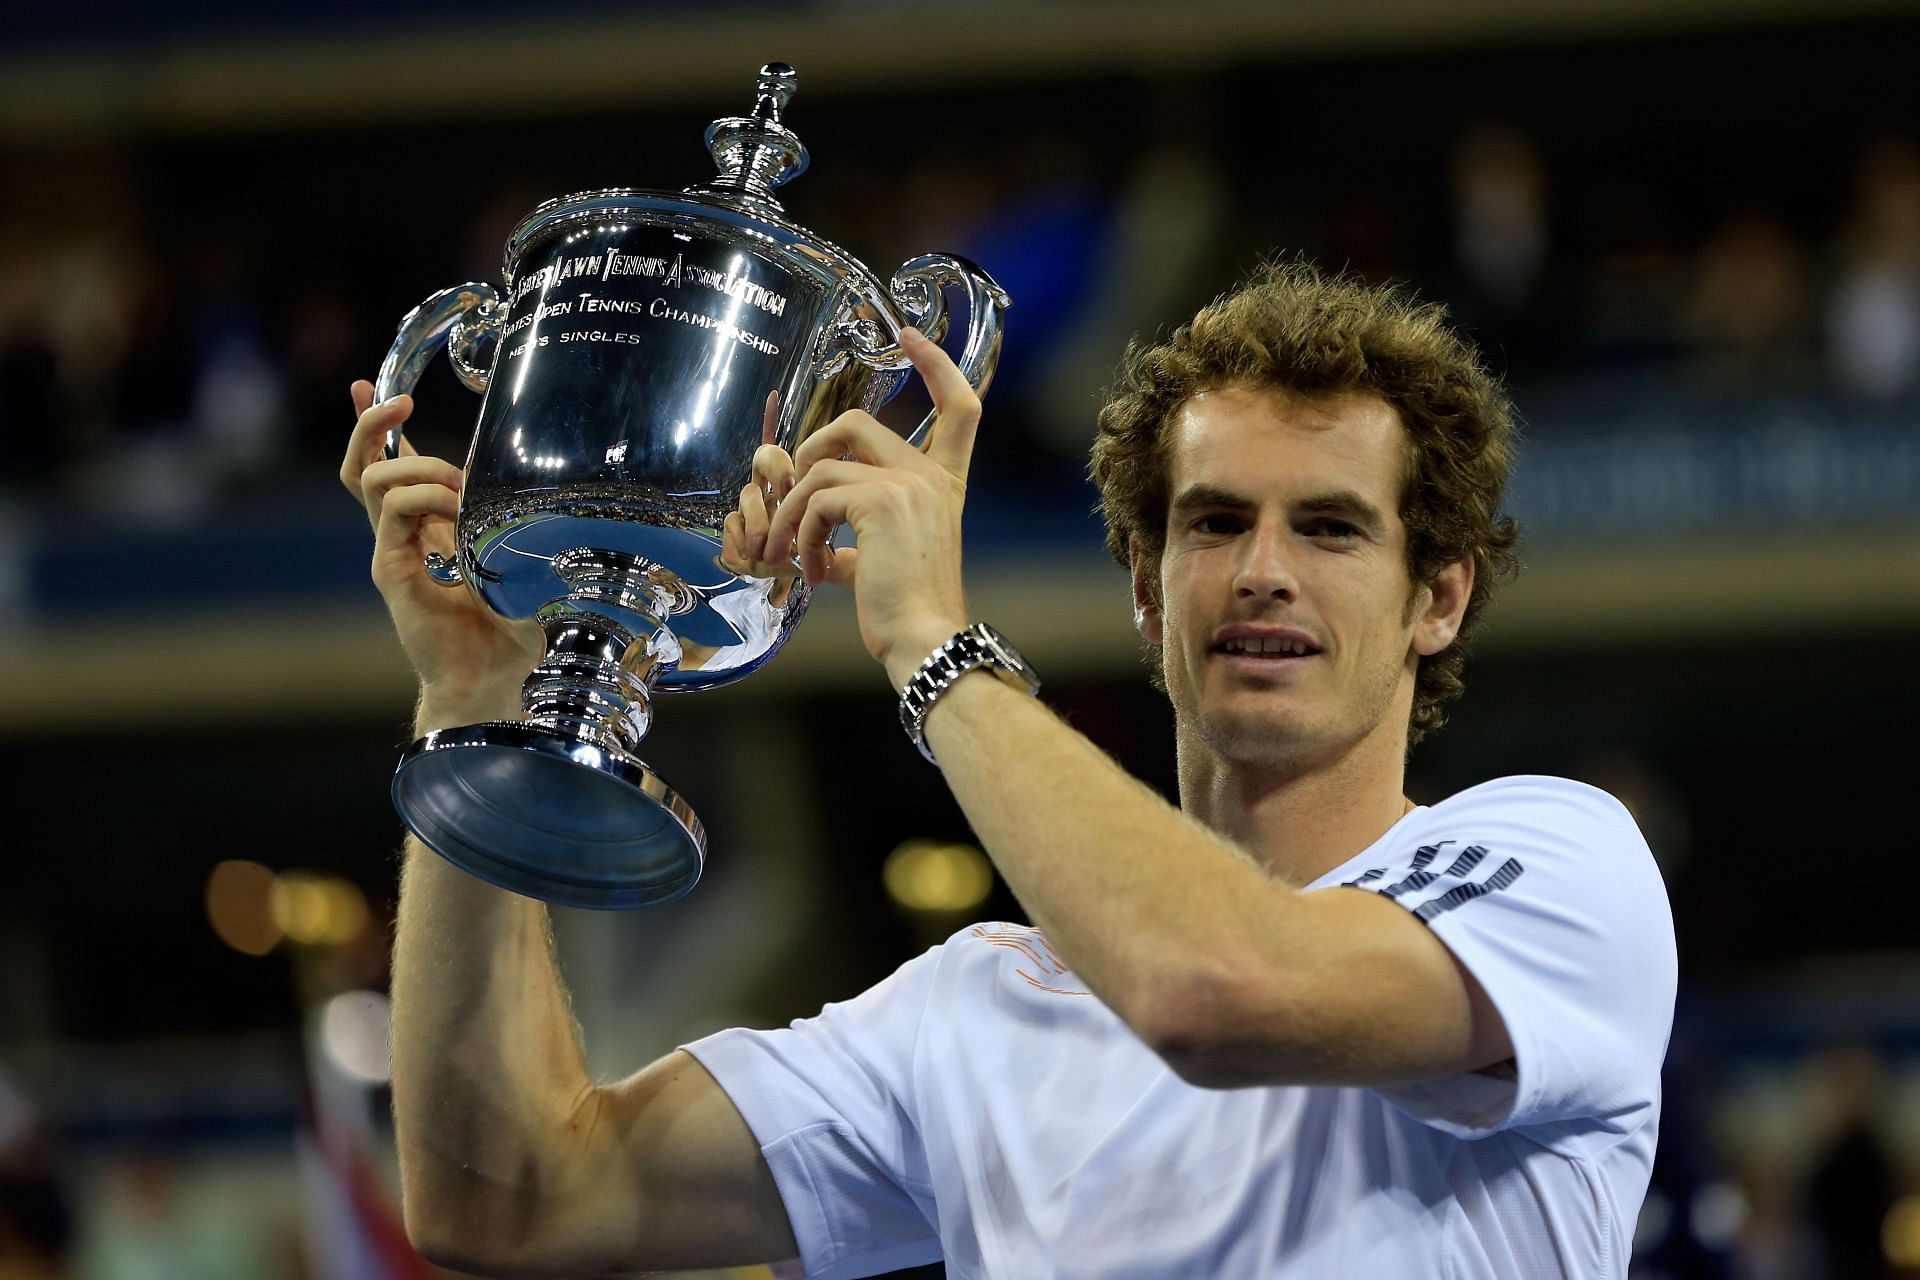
<point>1687,232</point>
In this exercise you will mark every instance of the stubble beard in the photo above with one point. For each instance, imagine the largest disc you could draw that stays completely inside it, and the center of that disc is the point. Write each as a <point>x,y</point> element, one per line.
<point>1282,740</point>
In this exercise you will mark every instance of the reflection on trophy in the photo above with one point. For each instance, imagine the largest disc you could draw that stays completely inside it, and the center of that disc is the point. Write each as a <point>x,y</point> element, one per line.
<point>626,368</point>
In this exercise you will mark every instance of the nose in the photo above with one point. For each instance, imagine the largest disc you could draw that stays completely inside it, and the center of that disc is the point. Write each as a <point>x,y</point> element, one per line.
<point>1264,569</point>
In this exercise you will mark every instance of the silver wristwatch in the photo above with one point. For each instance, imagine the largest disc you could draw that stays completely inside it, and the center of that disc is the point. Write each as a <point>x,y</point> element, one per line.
<point>978,645</point>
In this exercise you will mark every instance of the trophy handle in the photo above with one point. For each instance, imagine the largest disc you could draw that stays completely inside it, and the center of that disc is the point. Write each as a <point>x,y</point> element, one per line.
<point>466,319</point>
<point>917,291</point>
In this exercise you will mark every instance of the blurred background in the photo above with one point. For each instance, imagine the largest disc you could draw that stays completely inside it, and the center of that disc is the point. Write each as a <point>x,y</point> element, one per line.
<point>1686,231</point>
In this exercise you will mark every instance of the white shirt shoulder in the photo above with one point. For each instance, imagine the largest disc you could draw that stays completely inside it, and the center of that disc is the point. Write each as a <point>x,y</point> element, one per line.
<point>1546,891</point>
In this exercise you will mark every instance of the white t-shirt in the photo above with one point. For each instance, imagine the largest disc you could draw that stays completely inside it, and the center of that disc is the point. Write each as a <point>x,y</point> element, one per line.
<point>980,1105</point>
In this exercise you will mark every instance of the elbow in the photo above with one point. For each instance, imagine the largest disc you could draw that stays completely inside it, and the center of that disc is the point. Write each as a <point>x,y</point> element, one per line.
<point>438,1239</point>
<point>425,1227</point>
<point>443,1249</point>
<point>468,1255</point>
<point>1187,1021</point>
<point>1214,1033</point>
<point>1207,1061</point>
<point>451,1227</point>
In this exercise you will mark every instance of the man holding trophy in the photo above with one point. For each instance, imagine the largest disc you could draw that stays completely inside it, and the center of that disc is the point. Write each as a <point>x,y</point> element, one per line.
<point>1297,1026</point>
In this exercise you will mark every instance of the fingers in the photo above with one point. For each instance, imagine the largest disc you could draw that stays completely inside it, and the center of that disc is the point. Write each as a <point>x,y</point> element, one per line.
<point>368,443</point>
<point>804,523</point>
<point>756,513</point>
<point>843,566</point>
<point>379,481</point>
<point>383,476</point>
<point>955,403</point>
<point>743,535</point>
<point>770,419</point>
<point>773,471</point>
<point>411,501</point>
<point>733,545</point>
<point>404,509</point>
<point>743,540</point>
<point>826,510</point>
<point>858,435</point>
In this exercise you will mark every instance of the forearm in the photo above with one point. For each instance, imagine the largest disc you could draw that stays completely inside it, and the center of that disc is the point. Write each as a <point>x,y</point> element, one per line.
<point>487,1069</point>
<point>1148,906</point>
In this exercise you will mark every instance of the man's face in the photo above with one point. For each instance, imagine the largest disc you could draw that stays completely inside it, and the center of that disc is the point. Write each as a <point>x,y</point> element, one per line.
<point>1289,627</point>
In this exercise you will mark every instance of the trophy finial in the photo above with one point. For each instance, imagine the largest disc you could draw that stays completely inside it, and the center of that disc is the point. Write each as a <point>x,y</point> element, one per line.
<point>777,84</point>
<point>757,153</point>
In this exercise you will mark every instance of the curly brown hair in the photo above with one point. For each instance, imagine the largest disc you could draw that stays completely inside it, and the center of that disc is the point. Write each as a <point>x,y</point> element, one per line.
<point>1297,330</point>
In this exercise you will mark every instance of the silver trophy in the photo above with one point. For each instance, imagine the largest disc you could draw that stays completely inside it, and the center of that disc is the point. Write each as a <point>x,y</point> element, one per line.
<point>626,369</point>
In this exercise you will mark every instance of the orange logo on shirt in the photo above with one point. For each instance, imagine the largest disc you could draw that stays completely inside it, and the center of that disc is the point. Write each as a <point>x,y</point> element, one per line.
<point>1034,946</point>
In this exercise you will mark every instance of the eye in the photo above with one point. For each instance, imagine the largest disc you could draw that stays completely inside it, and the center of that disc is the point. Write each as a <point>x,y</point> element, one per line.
<point>1217,523</point>
<point>1338,530</point>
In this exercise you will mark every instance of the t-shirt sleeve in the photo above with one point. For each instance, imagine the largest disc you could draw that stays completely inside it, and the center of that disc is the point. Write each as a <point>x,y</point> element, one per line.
<point>829,1099</point>
<point>1545,891</point>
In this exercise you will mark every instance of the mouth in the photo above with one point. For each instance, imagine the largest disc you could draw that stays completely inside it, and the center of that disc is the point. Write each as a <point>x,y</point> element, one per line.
<point>1263,648</point>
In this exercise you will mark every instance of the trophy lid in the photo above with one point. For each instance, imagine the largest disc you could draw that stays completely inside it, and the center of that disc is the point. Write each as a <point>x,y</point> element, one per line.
<point>756,153</point>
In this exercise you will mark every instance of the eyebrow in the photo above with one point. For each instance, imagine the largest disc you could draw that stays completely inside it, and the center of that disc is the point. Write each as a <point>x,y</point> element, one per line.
<point>1207,495</point>
<point>1344,502</point>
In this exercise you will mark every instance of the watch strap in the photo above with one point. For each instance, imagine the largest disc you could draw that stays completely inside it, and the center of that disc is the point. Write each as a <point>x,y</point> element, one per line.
<point>976,646</point>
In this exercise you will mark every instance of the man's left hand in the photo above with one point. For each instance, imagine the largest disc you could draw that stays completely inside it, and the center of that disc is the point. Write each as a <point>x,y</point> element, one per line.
<point>904,505</point>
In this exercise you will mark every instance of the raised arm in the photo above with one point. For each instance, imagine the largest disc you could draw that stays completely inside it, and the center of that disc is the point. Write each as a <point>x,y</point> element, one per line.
<point>513,1161</point>
<point>1235,978</point>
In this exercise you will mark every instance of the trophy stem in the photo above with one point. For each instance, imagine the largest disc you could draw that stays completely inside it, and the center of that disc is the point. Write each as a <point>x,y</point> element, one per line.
<point>589,685</point>
<point>607,642</point>
<point>559,806</point>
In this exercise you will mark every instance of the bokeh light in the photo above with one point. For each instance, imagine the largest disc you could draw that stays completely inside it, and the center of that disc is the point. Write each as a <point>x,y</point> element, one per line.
<point>317,910</point>
<point>929,875</point>
<point>353,1032</point>
<point>239,894</point>
<point>1900,1235</point>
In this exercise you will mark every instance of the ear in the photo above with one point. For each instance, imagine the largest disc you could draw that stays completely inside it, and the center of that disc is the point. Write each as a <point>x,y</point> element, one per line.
<point>1442,603</point>
<point>1146,593</point>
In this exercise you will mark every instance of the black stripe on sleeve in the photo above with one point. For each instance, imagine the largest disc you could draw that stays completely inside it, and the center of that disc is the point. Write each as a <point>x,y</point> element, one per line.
<point>1509,871</point>
<point>1467,861</point>
<point>1415,880</point>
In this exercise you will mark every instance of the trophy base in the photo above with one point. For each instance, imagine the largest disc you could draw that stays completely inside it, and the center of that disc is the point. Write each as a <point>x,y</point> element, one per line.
<point>549,816</point>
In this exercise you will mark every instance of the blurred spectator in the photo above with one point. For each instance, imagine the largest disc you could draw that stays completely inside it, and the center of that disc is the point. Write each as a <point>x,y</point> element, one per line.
<point>946,195</point>
<point>35,1221</point>
<point>1168,214</point>
<point>29,382</point>
<point>1498,187</point>
<point>149,471</point>
<point>1043,237</point>
<point>1853,1183</point>
<point>237,408</point>
<point>324,351</point>
<point>1633,280</point>
<point>1873,316</point>
<point>1500,214</point>
<point>1749,316</point>
<point>1772,1238</point>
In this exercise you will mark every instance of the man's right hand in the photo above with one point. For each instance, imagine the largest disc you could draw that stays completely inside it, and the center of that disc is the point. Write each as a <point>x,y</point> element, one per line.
<point>512,1160</point>
<point>471,661</point>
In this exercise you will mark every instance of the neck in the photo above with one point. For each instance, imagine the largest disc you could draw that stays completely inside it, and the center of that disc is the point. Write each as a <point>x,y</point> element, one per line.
<point>1297,819</point>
